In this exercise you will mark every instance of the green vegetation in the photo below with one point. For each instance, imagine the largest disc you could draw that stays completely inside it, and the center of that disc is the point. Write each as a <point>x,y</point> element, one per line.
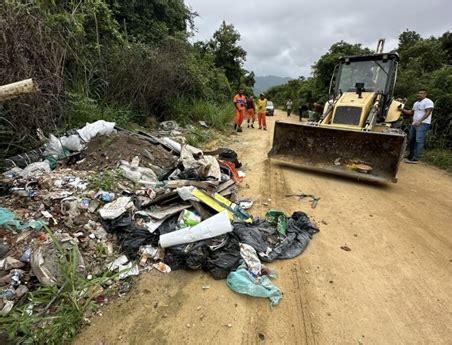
<point>105,180</point>
<point>217,116</point>
<point>199,136</point>
<point>51,314</point>
<point>82,109</point>
<point>116,60</point>
<point>439,157</point>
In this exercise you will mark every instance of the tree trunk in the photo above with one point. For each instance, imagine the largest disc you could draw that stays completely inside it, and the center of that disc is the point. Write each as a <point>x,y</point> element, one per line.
<point>16,89</point>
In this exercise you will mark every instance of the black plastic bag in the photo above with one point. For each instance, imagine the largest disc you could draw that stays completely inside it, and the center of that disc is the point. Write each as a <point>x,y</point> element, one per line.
<point>257,234</point>
<point>114,225</point>
<point>225,259</point>
<point>264,238</point>
<point>301,221</point>
<point>229,155</point>
<point>133,237</point>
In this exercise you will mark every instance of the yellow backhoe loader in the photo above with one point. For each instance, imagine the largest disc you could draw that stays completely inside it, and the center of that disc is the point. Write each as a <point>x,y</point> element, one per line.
<point>358,133</point>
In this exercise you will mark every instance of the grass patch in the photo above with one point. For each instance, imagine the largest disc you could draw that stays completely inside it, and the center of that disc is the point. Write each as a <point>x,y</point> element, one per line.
<point>218,116</point>
<point>442,158</point>
<point>105,180</point>
<point>82,109</point>
<point>51,314</point>
<point>199,136</point>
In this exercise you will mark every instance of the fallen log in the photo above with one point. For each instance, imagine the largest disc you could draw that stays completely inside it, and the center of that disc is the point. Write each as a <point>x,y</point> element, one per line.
<point>16,89</point>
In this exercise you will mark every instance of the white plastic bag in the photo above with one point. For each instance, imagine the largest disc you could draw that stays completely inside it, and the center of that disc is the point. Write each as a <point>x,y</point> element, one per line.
<point>35,169</point>
<point>100,127</point>
<point>54,148</point>
<point>72,143</point>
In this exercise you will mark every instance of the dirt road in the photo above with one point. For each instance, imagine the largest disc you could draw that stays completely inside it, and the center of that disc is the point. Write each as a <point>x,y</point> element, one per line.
<point>393,287</point>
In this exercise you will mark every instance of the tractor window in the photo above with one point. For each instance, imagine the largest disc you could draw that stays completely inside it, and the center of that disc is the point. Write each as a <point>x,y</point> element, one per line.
<point>374,75</point>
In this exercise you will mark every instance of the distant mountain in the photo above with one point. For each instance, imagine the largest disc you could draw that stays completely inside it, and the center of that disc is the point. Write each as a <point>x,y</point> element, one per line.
<point>268,81</point>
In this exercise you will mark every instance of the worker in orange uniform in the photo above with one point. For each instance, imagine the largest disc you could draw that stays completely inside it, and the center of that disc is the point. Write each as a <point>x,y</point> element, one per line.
<point>250,108</point>
<point>261,109</point>
<point>240,105</point>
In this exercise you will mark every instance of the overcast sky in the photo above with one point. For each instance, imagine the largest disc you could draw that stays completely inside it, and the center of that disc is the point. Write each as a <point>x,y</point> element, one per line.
<point>285,37</point>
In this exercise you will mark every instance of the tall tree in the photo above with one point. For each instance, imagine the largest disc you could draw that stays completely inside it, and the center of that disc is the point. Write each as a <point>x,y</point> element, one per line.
<point>151,21</point>
<point>227,53</point>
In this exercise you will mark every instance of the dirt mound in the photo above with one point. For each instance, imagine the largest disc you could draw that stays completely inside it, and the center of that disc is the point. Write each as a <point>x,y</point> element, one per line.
<point>104,152</point>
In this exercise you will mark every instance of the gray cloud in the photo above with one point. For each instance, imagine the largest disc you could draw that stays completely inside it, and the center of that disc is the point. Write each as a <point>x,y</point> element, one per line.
<point>286,37</point>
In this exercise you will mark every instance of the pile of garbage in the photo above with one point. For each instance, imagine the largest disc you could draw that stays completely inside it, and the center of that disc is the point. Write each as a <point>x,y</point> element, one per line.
<point>129,202</point>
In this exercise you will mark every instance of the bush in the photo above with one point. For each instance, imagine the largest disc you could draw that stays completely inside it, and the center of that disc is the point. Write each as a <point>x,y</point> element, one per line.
<point>82,109</point>
<point>440,158</point>
<point>187,111</point>
<point>29,49</point>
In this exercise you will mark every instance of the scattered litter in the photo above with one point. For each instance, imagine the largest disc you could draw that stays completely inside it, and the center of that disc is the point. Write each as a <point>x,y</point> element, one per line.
<point>148,252</point>
<point>26,254</point>
<point>244,282</point>
<point>7,307</point>
<point>10,263</point>
<point>137,174</point>
<point>279,219</point>
<point>3,250</point>
<point>104,196</point>
<point>116,208</point>
<point>168,206</point>
<point>48,216</point>
<point>8,220</point>
<point>246,204</point>
<point>219,204</point>
<point>188,218</point>
<point>251,259</point>
<point>161,267</point>
<point>35,169</point>
<point>124,267</point>
<point>166,212</point>
<point>203,124</point>
<point>168,125</point>
<point>314,200</point>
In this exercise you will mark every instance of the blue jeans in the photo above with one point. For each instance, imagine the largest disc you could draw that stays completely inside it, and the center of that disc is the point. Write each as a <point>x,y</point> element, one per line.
<point>416,140</point>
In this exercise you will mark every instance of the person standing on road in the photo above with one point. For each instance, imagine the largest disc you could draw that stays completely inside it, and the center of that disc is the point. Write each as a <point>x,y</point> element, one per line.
<point>239,104</point>
<point>422,117</point>
<point>303,110</point>
<point>251,111</point>
<point>289,106</point>
<point>261,109</point>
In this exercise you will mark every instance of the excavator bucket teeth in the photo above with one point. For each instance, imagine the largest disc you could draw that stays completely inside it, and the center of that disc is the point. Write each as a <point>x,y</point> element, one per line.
<point>339,151</point>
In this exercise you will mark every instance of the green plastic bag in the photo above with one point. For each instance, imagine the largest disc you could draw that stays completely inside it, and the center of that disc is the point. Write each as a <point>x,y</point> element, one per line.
<point>244,282</point>
<point>8,219</point>
<point>278,219</point>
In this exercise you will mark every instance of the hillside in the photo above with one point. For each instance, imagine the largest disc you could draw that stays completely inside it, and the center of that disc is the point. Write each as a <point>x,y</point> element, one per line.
<point>266,82</point>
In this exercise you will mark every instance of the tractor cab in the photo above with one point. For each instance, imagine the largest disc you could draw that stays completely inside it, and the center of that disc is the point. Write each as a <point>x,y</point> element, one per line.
<point>368,73</point>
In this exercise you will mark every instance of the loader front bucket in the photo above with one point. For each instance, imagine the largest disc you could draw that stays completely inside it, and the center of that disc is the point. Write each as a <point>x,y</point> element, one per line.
<point>338,151</point>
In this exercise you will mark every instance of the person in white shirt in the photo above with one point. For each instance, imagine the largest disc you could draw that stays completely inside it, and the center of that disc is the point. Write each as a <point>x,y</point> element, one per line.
<point>289,107</point>
<point>422,117</point>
